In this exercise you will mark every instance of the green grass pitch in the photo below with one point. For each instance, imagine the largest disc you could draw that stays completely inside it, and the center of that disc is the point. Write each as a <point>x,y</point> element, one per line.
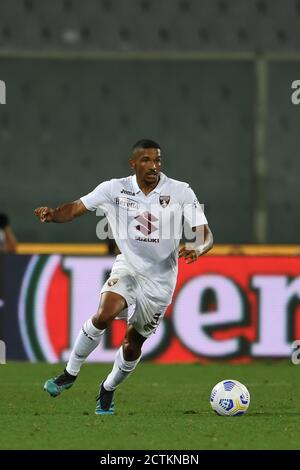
<point>158,407</point>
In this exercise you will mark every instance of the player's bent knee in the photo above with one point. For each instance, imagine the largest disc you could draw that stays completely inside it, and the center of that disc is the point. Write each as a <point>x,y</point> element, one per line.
<point>103,319</point>
<point>111,305</point>
<point>131,351</point>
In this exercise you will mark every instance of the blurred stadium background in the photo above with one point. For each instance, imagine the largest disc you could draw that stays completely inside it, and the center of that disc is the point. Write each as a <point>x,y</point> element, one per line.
<point>210,80</point>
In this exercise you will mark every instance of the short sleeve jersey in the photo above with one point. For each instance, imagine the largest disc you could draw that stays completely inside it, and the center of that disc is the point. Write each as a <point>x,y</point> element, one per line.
<point>148,228</point>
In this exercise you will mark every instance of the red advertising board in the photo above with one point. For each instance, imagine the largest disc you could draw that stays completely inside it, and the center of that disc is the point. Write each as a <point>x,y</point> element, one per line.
<point>224,307</point>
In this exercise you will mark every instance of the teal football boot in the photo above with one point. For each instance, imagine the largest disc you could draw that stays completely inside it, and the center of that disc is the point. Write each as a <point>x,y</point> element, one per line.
<point>56,385</point>
<point>104,402</point>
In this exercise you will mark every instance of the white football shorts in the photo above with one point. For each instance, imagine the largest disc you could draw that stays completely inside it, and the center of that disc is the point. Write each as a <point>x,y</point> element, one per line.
<point>145,308</point>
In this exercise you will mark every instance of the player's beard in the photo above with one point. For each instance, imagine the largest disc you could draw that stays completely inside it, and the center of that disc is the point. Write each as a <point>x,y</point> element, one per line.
<point>151,178</point>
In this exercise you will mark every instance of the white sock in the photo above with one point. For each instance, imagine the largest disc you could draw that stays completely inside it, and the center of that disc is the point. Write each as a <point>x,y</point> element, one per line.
<point>120,371</point>
<point>88,339</point>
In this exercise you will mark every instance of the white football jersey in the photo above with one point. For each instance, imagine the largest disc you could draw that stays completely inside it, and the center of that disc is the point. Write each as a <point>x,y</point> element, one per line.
<point>148,228</point>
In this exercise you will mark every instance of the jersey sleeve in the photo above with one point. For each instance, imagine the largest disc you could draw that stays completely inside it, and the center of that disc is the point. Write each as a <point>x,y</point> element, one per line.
<point>99,196</point>
<point>192,210</point>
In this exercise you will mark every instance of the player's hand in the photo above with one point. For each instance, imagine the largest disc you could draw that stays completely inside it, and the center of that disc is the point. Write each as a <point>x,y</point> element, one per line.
<point>189,255</point>
<point>45,214</point>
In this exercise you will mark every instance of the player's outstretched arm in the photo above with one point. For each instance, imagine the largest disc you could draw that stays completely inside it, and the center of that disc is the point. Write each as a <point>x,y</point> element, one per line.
<point>63,213</point>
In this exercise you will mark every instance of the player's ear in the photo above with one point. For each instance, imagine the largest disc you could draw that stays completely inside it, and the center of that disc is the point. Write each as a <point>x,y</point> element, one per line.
<point>132,165</point>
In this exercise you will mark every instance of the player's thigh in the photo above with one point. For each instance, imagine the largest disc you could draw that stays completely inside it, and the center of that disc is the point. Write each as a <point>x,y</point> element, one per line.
<point>111,304</point>
<point>123,284</point>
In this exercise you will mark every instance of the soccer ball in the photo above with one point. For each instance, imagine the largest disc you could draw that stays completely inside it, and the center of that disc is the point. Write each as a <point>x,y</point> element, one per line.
<point>230,398</point>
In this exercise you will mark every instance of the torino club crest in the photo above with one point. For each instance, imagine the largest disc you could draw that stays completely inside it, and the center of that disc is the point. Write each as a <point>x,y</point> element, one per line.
<point>164,200</point>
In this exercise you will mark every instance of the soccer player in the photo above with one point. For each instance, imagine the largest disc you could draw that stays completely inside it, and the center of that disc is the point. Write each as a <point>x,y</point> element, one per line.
<point>145,212</point>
